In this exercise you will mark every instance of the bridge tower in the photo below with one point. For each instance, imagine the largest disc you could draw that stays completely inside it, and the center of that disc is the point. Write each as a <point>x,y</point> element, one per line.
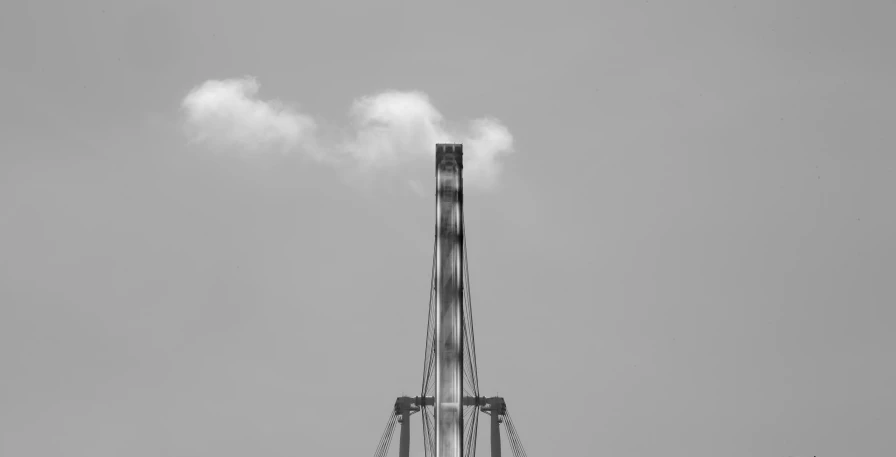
<point>449,401</point>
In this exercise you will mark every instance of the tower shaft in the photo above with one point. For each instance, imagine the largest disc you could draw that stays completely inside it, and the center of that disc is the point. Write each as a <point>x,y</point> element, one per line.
<point>449,301</point>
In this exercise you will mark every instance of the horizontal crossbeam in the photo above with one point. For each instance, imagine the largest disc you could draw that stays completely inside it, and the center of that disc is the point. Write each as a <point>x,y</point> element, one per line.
<point>488,403</point>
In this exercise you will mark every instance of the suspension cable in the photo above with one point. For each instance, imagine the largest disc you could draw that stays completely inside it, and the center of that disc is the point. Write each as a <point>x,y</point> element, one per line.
<point>428,415</point>
<point>512,433</point>
<point>383,446</point>
<point>427,358</point>
<point>469,311</point>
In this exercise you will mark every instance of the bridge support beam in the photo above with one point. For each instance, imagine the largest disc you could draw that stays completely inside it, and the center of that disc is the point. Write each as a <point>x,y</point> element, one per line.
<point>496,435</point>
<point>496,407</point>
<point>404,407</point>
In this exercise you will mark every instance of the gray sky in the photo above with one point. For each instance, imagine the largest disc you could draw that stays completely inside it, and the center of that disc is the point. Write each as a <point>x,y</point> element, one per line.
<point>689,251</point>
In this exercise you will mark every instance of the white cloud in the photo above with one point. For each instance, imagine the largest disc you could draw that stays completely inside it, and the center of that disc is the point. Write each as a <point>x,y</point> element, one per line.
<point>392,126</point>
<point>229,112</point>
<point>387,129</point>
<point>487,141</point>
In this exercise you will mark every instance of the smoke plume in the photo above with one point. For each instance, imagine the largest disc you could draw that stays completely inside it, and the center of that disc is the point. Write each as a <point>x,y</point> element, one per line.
<point>385,130</point>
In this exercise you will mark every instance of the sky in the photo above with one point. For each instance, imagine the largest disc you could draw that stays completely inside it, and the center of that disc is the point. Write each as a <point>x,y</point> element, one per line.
<point>216,223</point>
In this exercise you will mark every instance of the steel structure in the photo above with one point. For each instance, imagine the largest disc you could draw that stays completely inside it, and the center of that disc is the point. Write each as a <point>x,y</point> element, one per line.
<point>449,301</point>
<point>449,401</point>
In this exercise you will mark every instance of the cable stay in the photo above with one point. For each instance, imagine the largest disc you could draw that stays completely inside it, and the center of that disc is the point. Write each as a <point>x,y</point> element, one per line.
<point>382,448</point>
<point>516,445</point>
